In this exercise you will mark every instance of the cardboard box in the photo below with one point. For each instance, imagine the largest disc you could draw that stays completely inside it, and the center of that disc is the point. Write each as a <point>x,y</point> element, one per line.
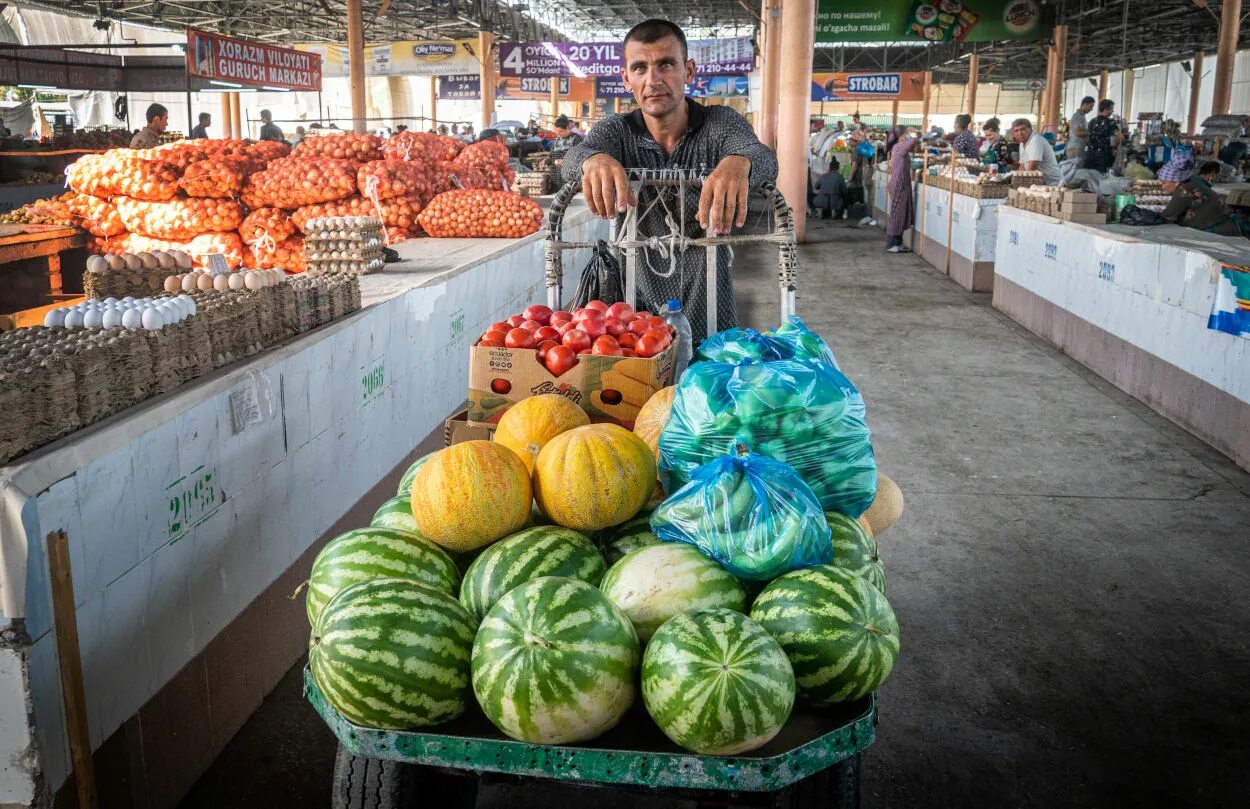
<point>1085,218</point>
<point>611,389</point>
<point>1079,197</point>
<point>457,429</point>
<point>1080,207</point>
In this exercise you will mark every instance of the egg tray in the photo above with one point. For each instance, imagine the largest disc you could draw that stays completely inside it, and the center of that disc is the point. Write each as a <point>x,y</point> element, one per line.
<point>350,252</point>
<point>318,267</point>
<point>141,283</point>
<point>343,237</point>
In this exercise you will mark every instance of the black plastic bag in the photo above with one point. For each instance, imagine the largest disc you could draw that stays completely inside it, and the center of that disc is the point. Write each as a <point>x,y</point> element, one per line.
<point>1134,215</point>
<point>602,279</point>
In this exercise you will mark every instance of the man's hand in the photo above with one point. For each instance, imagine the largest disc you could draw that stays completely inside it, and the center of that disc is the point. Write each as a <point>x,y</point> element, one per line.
<point>723,203</point>
<point>605,185</point>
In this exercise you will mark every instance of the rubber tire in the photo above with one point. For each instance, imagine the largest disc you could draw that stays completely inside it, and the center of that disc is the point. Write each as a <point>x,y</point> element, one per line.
<point>370,783</point>
<point>835,787</point>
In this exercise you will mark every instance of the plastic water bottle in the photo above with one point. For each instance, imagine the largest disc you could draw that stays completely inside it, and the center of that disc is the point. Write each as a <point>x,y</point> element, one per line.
<point>676,318</point>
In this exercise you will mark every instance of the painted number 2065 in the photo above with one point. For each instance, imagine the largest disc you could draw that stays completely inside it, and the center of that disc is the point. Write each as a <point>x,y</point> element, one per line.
<point>191,498</point>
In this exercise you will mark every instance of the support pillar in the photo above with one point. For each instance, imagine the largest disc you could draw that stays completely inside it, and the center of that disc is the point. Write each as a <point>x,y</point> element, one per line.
<point>770,67</point>
<point>974,65</point>
<point>432,110</point>
<point>356,64</point>
<point>924,109</point>
<point>1043,108</point>
<point>1126,106</point>
<point>486,53</point>
<point>227,115</point>
<point>1103,78</point>
<point>616,106</point>
<point>555,97</point>
<point>1055,113</point>
<point>1195,90</point>
<point>798,25</point>
<point>1230,23</point>
<point>894,113</point>
<point>239,128</point>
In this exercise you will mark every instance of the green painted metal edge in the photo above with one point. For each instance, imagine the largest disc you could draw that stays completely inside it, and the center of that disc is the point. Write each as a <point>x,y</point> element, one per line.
<point>597,765</point>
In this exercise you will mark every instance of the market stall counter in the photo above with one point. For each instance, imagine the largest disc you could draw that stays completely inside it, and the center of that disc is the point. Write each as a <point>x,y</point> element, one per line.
<point>1133,304</point>
<point>194,515</point>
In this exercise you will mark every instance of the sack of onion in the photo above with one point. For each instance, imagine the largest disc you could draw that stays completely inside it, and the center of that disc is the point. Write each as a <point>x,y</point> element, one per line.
<point>181,218</point>
<point>480,214</point>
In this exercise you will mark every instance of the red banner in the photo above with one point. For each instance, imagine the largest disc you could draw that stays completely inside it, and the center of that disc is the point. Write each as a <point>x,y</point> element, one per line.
<point>239,61</point>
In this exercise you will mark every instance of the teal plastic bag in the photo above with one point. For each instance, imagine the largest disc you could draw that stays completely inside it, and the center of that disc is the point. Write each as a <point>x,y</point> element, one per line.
<point>806,414</point>
<point>791,341</point>
<point>752,514</point>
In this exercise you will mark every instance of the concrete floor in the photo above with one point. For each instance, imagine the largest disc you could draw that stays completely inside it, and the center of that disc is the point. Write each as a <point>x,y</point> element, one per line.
<point>1070,575</point>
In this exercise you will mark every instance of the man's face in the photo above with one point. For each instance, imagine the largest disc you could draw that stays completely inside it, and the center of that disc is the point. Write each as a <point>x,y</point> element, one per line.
<point>159,123</point>
<point>207,121</point>
<point>1021,134</point>
<point>1169,186</point>
<point>562,131</point>
<point>1107,112</point>
<point>657,75</point>
<point>1087,107</point>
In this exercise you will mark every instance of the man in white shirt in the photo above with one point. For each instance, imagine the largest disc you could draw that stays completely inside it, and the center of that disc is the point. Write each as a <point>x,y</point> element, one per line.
<point>1035,151</point>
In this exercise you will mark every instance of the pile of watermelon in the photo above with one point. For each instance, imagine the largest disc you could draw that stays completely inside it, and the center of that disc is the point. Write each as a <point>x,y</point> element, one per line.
<point>522,575</point>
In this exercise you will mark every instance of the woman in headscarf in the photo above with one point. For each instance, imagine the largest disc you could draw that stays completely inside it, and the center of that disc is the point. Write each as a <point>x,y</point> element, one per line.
<point>1194,204</point>
<point>898,147</point>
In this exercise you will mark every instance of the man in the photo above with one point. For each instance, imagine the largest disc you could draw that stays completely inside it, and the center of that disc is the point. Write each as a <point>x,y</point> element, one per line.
<point>1104,138</point>
<point>840,128</point>
<point>300,132</point>
<point>493,134</point>
<point>150,136</point>
<point>467,135</point>
<point>201,130</point>
<point>1078,130</point>
<point>856,124</point>
<point>566,138</point>
<point>1035,151</point>
<point>830,199</point>
<point>268,129</point>
<point>669,131</point>
<point>1194,204</point>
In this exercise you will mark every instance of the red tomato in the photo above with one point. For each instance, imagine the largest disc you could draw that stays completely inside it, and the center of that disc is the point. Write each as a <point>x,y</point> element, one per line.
<point>594,328</point>
<point>565,327</point>
<point>628,340</point>
<point>502,325</point>
<point>628,352</point>
<point>638,326</point>
<point>607,346</point>
<point>496,335</point>
<point>560,316</point>
<point>614,327</point>
<point>515,321</point>
<point>576,339</point>
<point>491,343</point>
<point>531,326</point>
<point>656,322</point>
<point>662,335</point>
<point>519,338</point>
<point>544,347</point>
<point>559,359</point>
<point>547,333</point>
<point>597,304</point>
<point>584,351</point>
<point>650,344</point>
<point>620,311</point>
<point>590,314</point>
<point>643,314</point>
<point>538,312</point>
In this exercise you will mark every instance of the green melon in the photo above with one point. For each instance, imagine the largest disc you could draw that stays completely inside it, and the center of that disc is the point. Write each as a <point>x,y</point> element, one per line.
<point>854,549</point>
<point>393,654</point>
<point>837,628</point>
<point>405,483</point>
<point>555,662</point>
<point>717,683</point>
<point>524,556</point>
<point>377,553</point>
<point>654,583</point>
<point>629,536</point>
<point>396,513</point>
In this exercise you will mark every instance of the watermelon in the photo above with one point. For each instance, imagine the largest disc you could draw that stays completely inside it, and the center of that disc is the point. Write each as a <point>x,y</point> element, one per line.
<point>617,541</point>
<point>377,553</point>
<point>393,654</point>
<point>654,583</point>
<point>716,682</point>
<point>527,555</point>
<point>396,513</point>
<point>405,483</point>
<point>854,549</point>
<point>838,630</point>
<point>555,662</point>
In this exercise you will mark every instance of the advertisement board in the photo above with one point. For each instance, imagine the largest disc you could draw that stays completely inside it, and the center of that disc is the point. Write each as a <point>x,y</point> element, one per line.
<point>240,61</point>
<point>468,86</point>
<point>405,58</point>
<point>932,20</point>
<point>714,57</point>
<point>63,69</point>
<point>860,86</point>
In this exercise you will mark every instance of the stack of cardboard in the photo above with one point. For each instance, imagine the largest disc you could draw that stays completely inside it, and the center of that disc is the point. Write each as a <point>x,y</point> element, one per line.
<point>1080,207</point>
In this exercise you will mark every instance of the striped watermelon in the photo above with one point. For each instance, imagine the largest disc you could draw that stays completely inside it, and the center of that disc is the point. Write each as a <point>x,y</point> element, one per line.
<point>376,553</point>
<point>839,631</point>
<point>629,536</point>
<point>396,513</point>
<point>524,556</point>
<point>717,683</point>
<point>555,662</point>
<point>654,583</point>
<point>405,483</point>
<point>854,549</point>
<point>393,654</point>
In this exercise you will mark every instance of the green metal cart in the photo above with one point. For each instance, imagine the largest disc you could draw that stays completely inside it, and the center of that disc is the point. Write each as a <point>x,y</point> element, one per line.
<point>813,763</point>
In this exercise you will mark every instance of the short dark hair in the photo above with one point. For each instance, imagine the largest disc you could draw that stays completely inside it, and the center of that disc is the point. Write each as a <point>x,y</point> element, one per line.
<point>562,122</point>
<point>992,125</point>
<point>266,114</point>
<point>1211,166</point>
<point>1105,104</point>
<point>156,111</point>
<point>488,134</point>
<point>649,31</point>
<point>963,121</point>
<point>1022,122</point>
<point>205,117</point>
<point>1087,100</point>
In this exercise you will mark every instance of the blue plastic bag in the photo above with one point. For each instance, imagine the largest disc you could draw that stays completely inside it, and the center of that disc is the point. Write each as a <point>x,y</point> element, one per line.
<point>866,149</point>
<point>804,413</point>
<point>752,514</point>
<point>791,341</point>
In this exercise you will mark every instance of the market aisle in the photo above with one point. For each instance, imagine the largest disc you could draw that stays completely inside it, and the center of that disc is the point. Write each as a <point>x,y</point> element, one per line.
<point>1069,575</point>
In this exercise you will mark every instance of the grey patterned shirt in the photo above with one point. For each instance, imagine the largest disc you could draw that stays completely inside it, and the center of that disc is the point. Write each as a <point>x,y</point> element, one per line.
<point>714,133</point>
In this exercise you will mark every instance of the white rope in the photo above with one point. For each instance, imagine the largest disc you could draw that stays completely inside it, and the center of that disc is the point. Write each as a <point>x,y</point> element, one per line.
<point>371,194</point>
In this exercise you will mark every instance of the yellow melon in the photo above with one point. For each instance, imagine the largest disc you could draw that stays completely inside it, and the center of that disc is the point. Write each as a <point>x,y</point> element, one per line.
<point>886,507</point>
<point>653,416</point>
<point>594,477</point>
<point>470,494</point>
<point>528,425</point>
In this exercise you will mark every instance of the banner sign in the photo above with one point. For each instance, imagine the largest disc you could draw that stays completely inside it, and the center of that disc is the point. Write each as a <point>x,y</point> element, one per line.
<point>932,20</point>
<point>611,87</point>
<point>468,86</point>
<point>239,61</point>
<point>1230,311</point>
<point>714,57</point>
<point>464,87</point>
<point>63,69</point>
<point>859,86</point>
<point>1022,85</point>
<point>719,87</point>
<point>406,58</point>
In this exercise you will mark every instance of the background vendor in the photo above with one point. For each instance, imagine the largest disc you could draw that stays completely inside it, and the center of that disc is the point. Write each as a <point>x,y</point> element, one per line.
<point>1194,203</point>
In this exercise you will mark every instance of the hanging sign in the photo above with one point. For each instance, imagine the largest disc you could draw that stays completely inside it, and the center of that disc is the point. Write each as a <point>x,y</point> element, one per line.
<point>462,87</point>
<point>859,86</point>
<point>932,20</point>
<point>1022,85</point>
<point>719,87</point>
<point>611,87</point>
<point>62,69</point>
<point>405,58</point>
<point>713,57</point>
<point>239,61</point>
<point>468,86</point>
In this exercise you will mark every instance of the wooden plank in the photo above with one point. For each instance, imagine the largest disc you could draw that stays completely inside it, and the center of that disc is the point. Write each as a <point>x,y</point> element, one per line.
<point>8,232</point>
<point>42,247</point>
<point>68,655</point>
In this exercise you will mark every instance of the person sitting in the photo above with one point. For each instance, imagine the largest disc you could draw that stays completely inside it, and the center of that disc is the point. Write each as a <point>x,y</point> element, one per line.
<point>995,147</point>
<point>1036,153</point>
<point>1194,203</point>
<point>830,199</point>
<point>1210,172</point>
<point>566,138</point>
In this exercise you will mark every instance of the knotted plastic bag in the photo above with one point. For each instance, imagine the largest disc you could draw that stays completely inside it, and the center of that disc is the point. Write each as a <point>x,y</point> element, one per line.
<point>752,514</point>
<point>601,280</point>
<point>803,413</point>
<point>792,340</point>
<point>1135,215</point>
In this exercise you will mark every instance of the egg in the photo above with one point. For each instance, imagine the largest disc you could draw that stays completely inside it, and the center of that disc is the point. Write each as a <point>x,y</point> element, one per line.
<point>55,318</point>
<point>164,259</point>
<point>188,282</point>
<point>128,299</point>
<point>221,283</point>
<point>132,319</point>
<point>191,307</point>
<point>111,319</point>
<point>148,261</point>
<point>92,319</point>
<point>251,280</point>
<point>97,264</point>
<point>182,259</point>
<point>151,319</point>
<point>115,262</point>
<point>73,320</point>
<point>204,282</point>
<point>172,284</point>
<point>236,281</point>
<point>131,261</point>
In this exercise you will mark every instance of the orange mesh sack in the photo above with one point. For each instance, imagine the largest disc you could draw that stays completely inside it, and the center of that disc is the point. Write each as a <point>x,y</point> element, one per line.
<point>200,248</point>
<point>294,183</point>
<point>395,178</point>
<point>361,148</point>
<point>220,177</point>
<point>266,223</point>
<point>181,218</point>
<point>287,254</point>
<point>98,217</point>
<point>481,214</point>
<point>110,176</point>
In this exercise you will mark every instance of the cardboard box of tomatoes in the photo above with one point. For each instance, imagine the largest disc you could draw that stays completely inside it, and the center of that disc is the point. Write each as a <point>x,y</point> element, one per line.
<point>608,359</point>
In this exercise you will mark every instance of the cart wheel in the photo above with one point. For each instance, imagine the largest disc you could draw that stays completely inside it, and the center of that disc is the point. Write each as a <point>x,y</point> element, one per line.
<point>370,783</point>
<point>836,787</point>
